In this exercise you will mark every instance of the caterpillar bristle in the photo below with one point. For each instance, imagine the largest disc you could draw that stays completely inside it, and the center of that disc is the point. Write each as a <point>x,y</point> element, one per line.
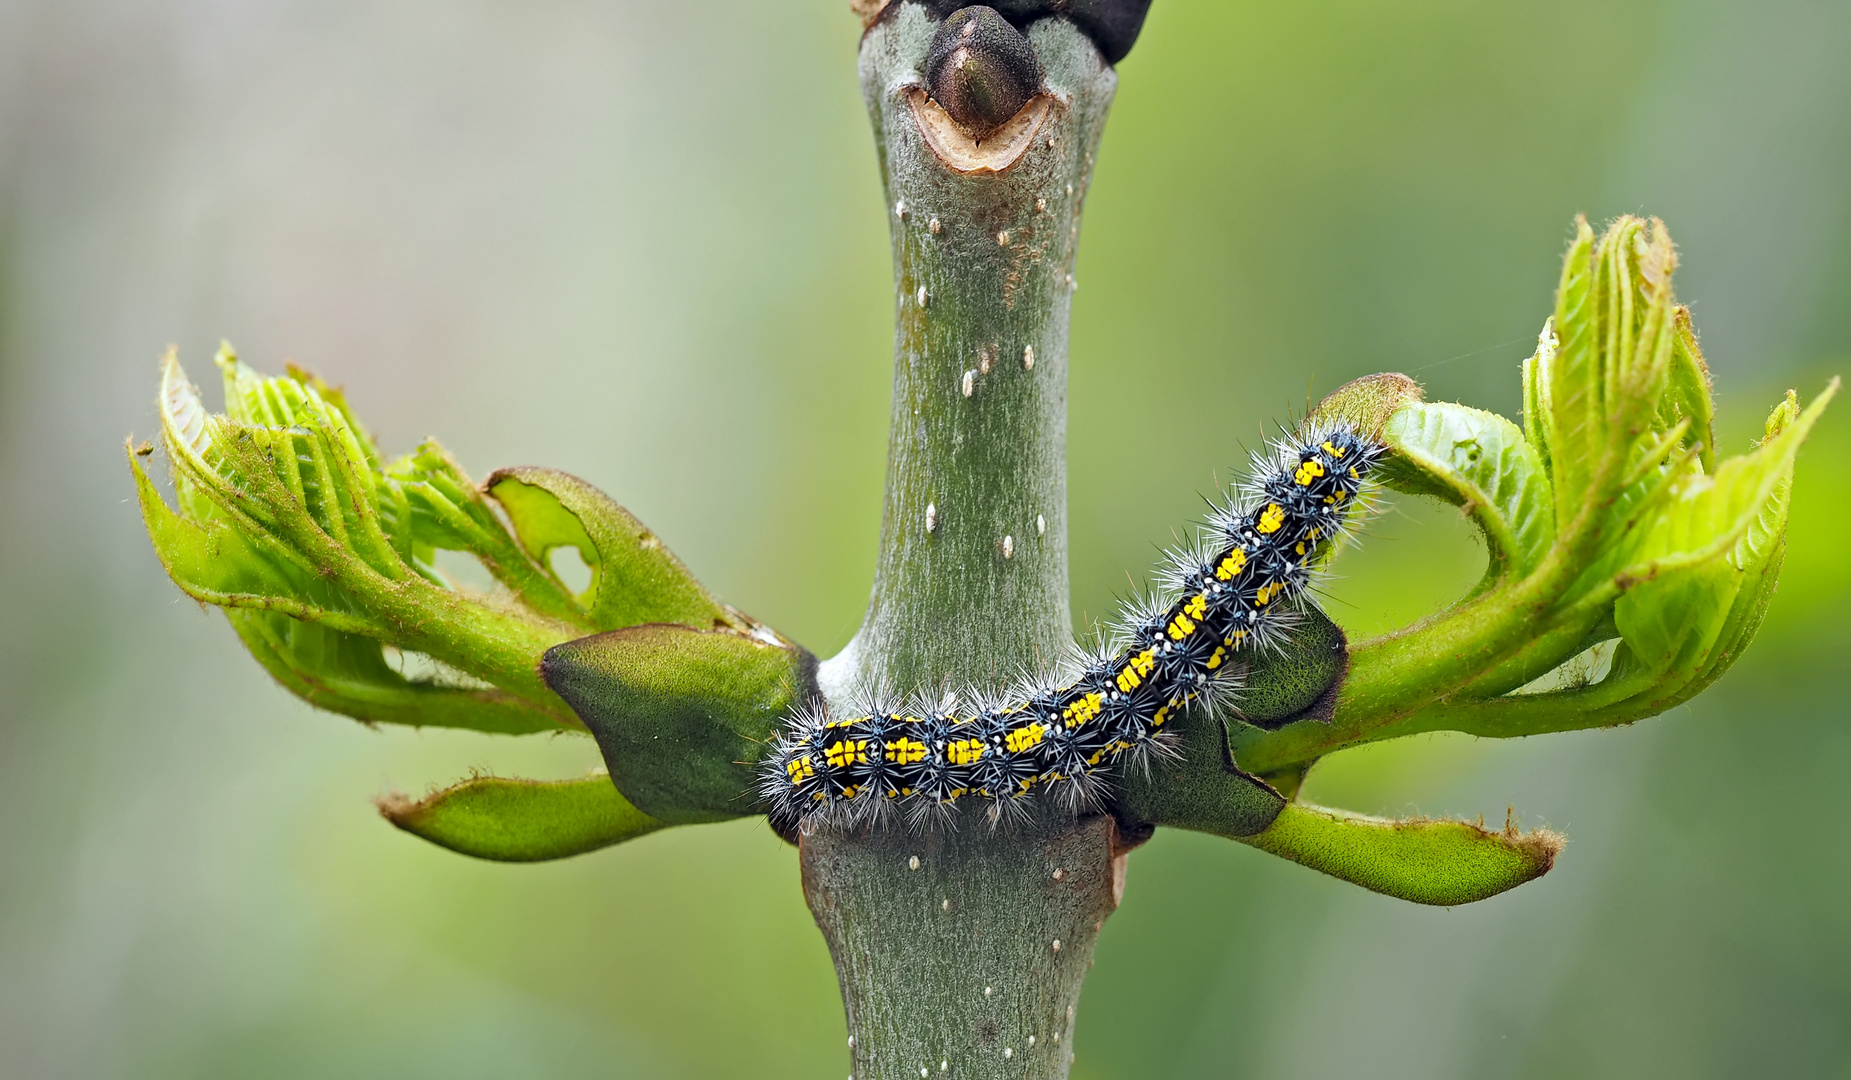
<point>1061,736</point>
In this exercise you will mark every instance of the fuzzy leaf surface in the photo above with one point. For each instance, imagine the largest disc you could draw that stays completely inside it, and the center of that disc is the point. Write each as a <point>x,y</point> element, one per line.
<point>1481,462</point>
<point>505,820</point>
<point>681,715</point>
<point>1428,862</point>
<point>635,578</point>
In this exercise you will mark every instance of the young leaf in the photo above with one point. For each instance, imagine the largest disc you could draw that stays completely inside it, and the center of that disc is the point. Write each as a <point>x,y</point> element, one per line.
<point>215,563</point>
<point>1569,383</point>
<point>1687,391</point>
<point>521,820</point>
<point>1707,518</point>
<point>1536,406</point>
<point>1481,462</point>
<point>283,509</point>
<point>349,674</point>
<point>635,578</point>
<point>1429,862</point>
<point>1714,538</point>
<point>448,512</point>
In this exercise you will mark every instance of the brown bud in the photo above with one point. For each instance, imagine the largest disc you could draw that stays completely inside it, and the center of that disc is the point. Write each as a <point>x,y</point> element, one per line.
<point>1113,25</point>
<point>981,70</point>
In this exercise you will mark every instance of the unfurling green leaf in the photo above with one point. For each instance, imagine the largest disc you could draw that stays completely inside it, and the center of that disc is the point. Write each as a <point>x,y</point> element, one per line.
<point>1687,393</point>
<point>324,558</point>
<point>1426,861</point>
<point>681,715</point>
<point>1703,573</point>
<point>1480,462</point>
<point>1611,526</point>
<point>521,820</point>
<point>283,507</point>
<point>635,579</point>
<point>351,674</point>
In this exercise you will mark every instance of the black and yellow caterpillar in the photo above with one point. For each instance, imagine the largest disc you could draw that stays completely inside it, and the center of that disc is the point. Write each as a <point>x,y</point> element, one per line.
<point>1062,735</point>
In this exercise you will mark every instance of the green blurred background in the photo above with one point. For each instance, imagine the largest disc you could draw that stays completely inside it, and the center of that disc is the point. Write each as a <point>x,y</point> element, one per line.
<point>646,243</point>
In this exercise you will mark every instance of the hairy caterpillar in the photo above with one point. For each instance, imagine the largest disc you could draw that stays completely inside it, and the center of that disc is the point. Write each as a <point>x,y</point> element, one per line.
<point>1063,734</point>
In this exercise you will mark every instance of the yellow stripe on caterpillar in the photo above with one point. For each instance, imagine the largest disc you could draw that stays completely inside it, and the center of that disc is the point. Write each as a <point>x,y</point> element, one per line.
<point>1026,737</point>
<point>1136,668</point>
<point>1082,710</point>
<point>1231,564</point>
<point>964,751</point>
<point>846,752</point>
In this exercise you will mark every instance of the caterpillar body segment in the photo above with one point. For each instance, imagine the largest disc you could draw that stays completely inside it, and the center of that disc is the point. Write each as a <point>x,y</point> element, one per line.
<point>1062,739</point>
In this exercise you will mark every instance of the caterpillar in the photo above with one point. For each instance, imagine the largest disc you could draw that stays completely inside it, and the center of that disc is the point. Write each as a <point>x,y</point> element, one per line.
<point>1063,736</point>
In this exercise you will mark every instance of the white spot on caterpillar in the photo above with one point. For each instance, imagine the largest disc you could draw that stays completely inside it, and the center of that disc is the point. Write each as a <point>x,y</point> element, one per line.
<point>923,1071</point>
<point>969,385</point>
<point>1002,238</point>
<point>913,863</point>
<point>946,906</point>
<point>988,990</point>
<point>931,516</point>
<point>899,209</point>
<point>851,1045</point>
<point>1008,1052</point>
<point>1072,285</point>
<point>1056,944</point>
<point>944,1066</point>
<point>1057,1036</point>
<point>1070,191</point>
<point>1028,358</point>
<point>935,227</point>
<point>1041,205</point>
<point>1041,529</point>
<point>1008,547</point>
<point>1059,872</point>
<point>922,297</point>
<point>1031,1040</point>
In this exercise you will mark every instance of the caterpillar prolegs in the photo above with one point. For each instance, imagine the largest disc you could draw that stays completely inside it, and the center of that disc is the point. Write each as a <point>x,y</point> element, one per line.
<point>1061,735</point>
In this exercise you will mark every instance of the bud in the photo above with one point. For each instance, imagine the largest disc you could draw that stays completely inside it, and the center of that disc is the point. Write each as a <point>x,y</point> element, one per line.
<point>1113,25</point>
<point>981,70</point>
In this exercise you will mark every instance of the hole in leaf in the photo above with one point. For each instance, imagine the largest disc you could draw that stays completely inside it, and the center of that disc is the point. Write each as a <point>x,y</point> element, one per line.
<point>1583,669</point>
<point>1416,557</point>
<point>570,566</point>
<point>419,667</point>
